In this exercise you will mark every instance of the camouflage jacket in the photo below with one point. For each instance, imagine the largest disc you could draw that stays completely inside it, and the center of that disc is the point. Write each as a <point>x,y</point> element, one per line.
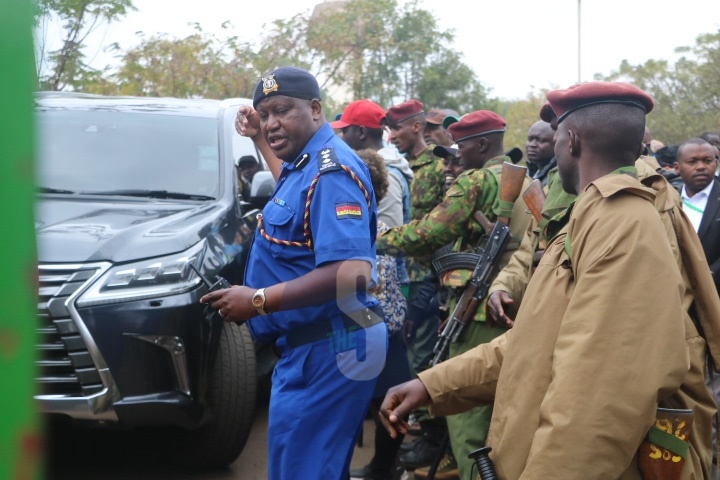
<point>426,192</point>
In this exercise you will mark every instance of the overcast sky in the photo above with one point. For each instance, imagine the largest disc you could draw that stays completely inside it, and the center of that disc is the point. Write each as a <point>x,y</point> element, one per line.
<point>514,46</point>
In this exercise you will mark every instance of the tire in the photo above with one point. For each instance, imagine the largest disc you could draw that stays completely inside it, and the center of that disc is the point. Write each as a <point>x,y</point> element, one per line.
<point>231,397</point>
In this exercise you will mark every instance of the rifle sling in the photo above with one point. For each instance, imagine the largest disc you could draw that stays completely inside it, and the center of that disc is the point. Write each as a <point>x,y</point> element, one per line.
<point>668,441</point>
<point>503,208</point>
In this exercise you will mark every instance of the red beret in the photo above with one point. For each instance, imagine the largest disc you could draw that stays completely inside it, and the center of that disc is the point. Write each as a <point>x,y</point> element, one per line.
<point>475,124</point>
<point>547,113</point>
<point>403,111</point>
<point>363,113</point>
<point>582,95</point>
<point>435,116</point>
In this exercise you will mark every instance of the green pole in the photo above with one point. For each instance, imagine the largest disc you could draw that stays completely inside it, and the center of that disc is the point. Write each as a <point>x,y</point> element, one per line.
<point>20,432</point>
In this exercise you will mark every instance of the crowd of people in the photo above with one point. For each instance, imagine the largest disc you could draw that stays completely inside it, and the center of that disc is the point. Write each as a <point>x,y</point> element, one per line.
<point>576,365</point>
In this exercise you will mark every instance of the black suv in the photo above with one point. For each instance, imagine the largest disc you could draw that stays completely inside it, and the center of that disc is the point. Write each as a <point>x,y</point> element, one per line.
<point>138,198</point>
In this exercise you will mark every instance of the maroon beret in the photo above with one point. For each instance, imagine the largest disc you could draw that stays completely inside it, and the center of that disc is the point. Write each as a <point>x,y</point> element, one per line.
<point>475,124</point>
<point>547,113</point>
<point>582,95</point>
<point>403,111</point>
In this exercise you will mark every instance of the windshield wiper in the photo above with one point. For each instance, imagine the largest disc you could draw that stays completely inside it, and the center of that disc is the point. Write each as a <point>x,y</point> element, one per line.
<point>54,190</point>
<point>152,194</point>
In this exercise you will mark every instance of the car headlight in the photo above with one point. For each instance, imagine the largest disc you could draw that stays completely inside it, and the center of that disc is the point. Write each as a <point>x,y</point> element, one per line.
<point>156,277</point>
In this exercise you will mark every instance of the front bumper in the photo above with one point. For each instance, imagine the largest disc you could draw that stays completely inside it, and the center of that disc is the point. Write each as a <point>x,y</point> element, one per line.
<point>137,363</point>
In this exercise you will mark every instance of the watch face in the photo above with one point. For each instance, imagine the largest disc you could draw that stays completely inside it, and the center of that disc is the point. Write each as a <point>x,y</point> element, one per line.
<point>258,299</point>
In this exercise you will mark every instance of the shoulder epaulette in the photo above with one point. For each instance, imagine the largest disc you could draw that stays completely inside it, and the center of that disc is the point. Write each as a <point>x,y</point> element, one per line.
<point>328,160</point>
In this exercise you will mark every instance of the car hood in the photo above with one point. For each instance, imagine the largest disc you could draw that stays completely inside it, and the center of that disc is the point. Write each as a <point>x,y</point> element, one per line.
<point>70,230</point>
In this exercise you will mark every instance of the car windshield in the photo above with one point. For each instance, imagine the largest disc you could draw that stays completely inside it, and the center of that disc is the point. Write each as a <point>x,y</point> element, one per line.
<point>108,152</point>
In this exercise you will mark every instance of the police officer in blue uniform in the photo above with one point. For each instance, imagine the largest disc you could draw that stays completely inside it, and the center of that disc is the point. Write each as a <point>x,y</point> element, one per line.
<point>310,266</point>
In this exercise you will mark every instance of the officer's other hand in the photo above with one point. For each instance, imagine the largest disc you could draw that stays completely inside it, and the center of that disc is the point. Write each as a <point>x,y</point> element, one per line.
<point>398,402</point>
<point>497,304</point>
<point>233,304</point>
<point>247,122</point>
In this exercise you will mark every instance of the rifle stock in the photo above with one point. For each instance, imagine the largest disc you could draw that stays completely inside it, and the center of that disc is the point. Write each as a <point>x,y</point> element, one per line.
<point>511,184</point>
<point>534,197</point>
<point>485,269</point>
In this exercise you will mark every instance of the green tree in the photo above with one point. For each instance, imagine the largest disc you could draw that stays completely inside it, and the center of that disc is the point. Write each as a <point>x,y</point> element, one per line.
<point>381,50</point>
<point>78,19</point>
<point>686,93</point>
<point>199,65</point>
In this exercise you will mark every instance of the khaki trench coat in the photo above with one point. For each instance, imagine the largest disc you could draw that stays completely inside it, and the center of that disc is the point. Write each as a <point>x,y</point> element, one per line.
<point>597,346</point>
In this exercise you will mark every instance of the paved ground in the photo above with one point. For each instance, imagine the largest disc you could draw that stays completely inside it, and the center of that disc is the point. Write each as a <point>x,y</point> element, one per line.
<point>93,455</point>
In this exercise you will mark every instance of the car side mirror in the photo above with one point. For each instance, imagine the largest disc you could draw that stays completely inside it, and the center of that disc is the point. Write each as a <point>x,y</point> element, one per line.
<point>261,189</point>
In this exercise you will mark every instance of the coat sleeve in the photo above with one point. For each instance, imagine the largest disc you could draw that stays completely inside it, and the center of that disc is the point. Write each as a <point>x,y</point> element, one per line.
<point>514,277</point>
<point>466,381</point>
<point>620,346</point>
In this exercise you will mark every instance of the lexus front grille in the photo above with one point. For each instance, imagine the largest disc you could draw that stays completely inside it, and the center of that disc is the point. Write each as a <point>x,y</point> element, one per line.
<point>65,365</point>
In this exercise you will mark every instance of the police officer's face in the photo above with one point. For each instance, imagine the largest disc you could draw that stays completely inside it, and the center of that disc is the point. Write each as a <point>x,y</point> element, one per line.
<point>539,147</point>
<point>437,134</point>
<point>452,169</point>
<point>696,164</point>
<point>402,135</point>
<point>288,124</point>
<point>470,153</point>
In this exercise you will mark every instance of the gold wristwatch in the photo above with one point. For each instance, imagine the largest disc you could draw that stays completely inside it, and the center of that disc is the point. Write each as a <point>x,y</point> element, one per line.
<point>258,301</point>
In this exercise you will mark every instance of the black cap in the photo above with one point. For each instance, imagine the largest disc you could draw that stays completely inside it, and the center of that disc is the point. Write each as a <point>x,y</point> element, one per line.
<point>246,160</point>
<point>287,81</point>
<point>443,152</point>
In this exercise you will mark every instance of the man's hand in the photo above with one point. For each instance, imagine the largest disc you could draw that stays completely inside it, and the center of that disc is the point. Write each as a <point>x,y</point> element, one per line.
<point>398,402</point>
<point>233,304</point>
<point>497,303</point>
<point>247,122</point>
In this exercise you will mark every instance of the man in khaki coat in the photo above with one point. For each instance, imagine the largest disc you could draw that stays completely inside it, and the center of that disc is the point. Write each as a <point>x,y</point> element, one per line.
<point>594,350</point>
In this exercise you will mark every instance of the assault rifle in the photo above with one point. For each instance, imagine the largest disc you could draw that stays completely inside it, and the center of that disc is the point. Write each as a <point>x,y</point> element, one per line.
<point>483,262</point>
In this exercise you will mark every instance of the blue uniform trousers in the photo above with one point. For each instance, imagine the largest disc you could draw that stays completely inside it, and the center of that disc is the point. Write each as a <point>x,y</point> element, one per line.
<point>318,402</point>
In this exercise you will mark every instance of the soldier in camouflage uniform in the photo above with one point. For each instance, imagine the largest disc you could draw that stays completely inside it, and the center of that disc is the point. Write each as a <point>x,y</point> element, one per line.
<point>406,122</point>
<point>479,136</point>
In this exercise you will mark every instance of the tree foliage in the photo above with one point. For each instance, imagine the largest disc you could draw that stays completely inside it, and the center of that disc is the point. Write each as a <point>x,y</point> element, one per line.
<point>78,18</point>
<point>199,65</point>
<point>385,50</point>
<point>686,93</point>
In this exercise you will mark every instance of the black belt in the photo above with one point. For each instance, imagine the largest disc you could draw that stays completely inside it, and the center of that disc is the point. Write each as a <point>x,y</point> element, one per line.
<point>365,318</point>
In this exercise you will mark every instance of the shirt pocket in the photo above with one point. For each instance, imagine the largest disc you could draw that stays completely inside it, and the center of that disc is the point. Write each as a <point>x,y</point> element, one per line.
<point>278,222</point>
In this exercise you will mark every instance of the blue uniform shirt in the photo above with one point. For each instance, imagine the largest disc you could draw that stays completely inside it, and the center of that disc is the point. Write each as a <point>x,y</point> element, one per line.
<point>341,224</point>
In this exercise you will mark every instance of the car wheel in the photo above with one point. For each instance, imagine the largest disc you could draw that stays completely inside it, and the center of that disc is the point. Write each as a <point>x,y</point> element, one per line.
<point>231,397</point>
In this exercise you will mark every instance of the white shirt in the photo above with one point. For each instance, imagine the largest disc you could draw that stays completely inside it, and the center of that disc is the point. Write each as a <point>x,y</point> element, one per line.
<point>694,206</point>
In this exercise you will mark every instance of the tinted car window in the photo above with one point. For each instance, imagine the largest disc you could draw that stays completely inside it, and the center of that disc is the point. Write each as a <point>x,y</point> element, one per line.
<point>97,151</point>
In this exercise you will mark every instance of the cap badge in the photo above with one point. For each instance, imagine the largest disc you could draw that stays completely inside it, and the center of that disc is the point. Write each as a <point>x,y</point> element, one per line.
<point>269,84</point>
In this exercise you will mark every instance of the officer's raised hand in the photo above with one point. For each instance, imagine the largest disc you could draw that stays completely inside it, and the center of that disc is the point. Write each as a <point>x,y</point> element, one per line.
<point>247,122</point>
<point>497,304</point>
<point>399,401</point>
<point>234,304</point>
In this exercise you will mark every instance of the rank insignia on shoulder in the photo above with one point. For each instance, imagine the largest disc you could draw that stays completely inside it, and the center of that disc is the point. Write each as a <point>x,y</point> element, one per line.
<point>347,210</point>
<point>328,160</point>
<point>269,84</point>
